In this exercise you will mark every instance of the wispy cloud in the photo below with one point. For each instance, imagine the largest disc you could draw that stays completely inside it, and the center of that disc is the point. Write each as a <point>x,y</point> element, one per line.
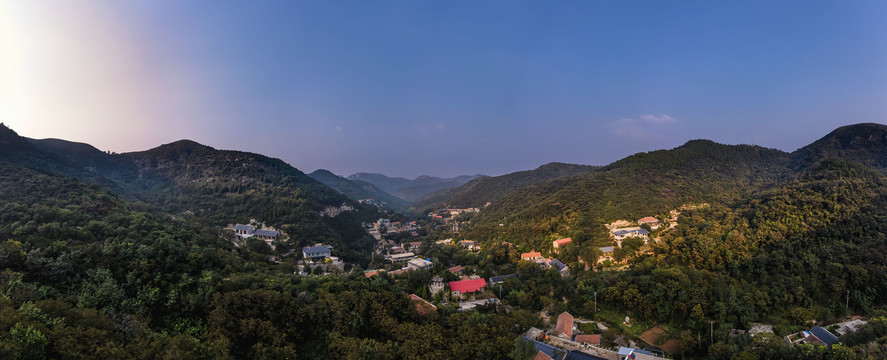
<point>646,127</point>
<point>661,119</point>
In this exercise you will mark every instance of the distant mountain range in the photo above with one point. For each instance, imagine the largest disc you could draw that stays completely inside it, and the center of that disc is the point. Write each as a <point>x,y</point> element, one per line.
<point>359,190</point>
<point>411,190</point>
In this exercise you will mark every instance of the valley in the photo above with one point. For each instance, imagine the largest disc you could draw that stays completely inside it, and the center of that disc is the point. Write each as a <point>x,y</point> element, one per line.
<point>704,251</point>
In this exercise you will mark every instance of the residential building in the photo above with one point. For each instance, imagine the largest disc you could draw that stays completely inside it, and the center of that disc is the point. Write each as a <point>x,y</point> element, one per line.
<point>456,269</point>
<point>561,267</point>
<point>649,220</point>
<point>267,235</point>
<point>315,252</point>
<point>589,339</point>
<point>542,356</point>
<point>531,256</point>
<point>564,325</point>
<point>558,244</point>
<point>400,257</point>
<point>621,234</point>
<point>500,279</point>
<point>458,289</point>
<point>419,264</point>
<point>244,231</point>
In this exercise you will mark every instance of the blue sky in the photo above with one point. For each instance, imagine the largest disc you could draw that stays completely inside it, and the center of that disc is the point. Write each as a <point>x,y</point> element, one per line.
<point>441,88</point>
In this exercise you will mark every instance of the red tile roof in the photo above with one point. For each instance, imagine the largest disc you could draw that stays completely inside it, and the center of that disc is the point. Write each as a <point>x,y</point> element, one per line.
<point>648,219</point>
<point>455,268</point>
<point>564,324</point>
<point>542,356</point>
<point>563,241</point>
<point>530,255</point>
<point>466,286</point>
<point>589,339</point>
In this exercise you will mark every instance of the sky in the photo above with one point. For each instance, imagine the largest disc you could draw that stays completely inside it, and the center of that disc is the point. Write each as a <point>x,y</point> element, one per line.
<point>440,88</point>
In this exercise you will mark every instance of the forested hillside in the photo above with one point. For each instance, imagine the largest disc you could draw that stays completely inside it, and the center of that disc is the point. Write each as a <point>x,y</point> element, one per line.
<point>640,185</point>
<point>221,187</point>
<point>358,189</point>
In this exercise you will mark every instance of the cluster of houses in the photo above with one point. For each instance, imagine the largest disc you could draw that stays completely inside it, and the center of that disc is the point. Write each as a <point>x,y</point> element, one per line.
<point>388,227</point>
<point>333,211</point>
<point>566,342</point>
<point>447,214</point>
<point>546,263</point>
<point>256,230</point>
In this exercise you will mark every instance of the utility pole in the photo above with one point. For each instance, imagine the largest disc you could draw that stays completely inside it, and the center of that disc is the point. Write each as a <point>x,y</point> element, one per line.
<point>595,302</point>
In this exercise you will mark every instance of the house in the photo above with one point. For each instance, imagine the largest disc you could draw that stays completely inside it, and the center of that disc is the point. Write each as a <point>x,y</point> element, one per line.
<point>607,254</point>
<point>561,267</point>
<point>589,339</point>
<point>419,264</point>
<point>542,356</point>
<point>458,289</point>
<point>531,256</point>
<point>564,325</point>
<point>315,252</point>
<point>621,234</point>
<point>244,231</point>
<point>401,271</point>
<point>823,335</point>
<point>456,269</point>
<point>470,245</point>
<point>370,273</point>
<point>561,243</point>
<point>267,235</point>
<point>500,279</point>
<point>396,250</point>
<point>413,245</point>
<point>400,257</point>
<point>649,220</point>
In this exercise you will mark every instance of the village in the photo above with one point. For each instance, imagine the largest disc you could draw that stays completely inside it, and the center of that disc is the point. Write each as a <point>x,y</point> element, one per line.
<point>399,249</point>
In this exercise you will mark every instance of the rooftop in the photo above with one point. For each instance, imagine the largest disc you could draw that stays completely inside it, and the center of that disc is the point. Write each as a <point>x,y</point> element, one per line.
<point>466,286</point>
<point>563,241</point>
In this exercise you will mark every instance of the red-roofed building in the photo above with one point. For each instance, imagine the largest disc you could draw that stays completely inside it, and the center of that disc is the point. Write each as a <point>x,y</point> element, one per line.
<point>458,289</point>
<point>542,356</point>
<point>371,273</point>
<point>564,325</point>
<point>561,243</point>
<point>455,269</point>
<point>588,339</point>
<point>531,256</point>
<point>649,220</point>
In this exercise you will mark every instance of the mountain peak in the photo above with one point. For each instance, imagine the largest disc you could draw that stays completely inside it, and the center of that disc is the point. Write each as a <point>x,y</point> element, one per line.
<point>864,143</point>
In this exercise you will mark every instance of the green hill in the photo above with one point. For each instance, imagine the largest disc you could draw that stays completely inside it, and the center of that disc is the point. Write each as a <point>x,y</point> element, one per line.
<point>188,179</point>
<point>640,185</point>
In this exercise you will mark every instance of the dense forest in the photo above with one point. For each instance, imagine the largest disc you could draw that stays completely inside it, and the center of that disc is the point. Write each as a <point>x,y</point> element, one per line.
<point>123,256</point>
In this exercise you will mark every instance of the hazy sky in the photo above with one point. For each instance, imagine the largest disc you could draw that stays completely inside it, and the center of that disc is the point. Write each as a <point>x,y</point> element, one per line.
<point>440,87</point>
